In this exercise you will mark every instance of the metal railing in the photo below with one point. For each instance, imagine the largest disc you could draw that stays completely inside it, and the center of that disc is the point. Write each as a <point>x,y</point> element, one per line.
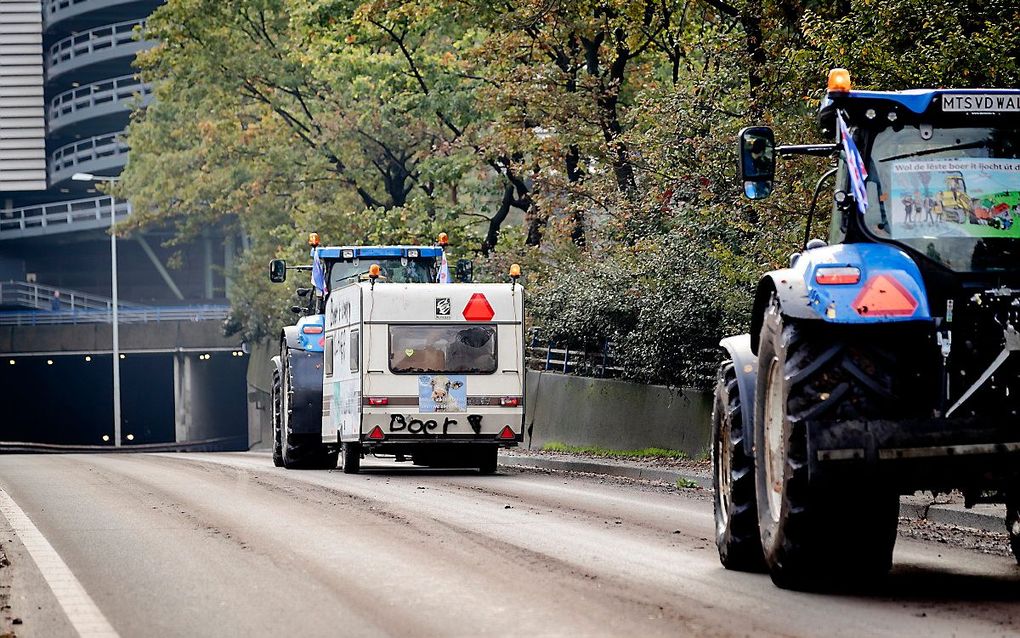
<point>42,297</point>
<point>60,217</point>
<point>138,314</point>
<point>544,354</point>
<point>56,10</point>
<point>102,38</point>
<point>72,155</point>
<point>106,92</point>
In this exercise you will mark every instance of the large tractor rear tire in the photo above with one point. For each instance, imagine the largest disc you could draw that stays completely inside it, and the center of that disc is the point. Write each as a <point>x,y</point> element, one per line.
<point>488,459</point>
<point>277,412</point>
<point>297,451</point>
<point>840,532</point>
<point>350,458</point>
<point>1013,521</point>
<point>736,508</point>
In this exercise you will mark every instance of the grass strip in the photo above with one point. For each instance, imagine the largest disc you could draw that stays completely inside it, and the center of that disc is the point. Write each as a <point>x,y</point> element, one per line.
<point>597,450</point>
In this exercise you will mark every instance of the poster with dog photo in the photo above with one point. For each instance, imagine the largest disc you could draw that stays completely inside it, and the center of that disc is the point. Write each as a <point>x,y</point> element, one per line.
<point>442,393</point>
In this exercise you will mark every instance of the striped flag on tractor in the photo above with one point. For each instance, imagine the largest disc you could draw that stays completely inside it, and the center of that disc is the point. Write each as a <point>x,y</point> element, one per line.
<point>854,165</point>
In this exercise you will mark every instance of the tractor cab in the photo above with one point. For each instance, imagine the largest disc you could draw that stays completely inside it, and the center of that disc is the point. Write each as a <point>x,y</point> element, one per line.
<point>939,172</point>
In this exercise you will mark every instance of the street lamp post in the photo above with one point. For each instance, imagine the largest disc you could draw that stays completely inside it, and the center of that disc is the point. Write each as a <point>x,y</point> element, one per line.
<point>115,320</point>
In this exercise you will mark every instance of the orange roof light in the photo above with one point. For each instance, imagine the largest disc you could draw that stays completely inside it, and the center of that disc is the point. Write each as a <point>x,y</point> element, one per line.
<point>839,81</point>
<point>313,239</point>
<point>373,271</point>
<point>515,270</point>
<point>443,239</point>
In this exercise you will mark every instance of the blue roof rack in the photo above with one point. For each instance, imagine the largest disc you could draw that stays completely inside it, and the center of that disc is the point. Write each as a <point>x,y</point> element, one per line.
<point>336,252</point>
<point>919,100</point>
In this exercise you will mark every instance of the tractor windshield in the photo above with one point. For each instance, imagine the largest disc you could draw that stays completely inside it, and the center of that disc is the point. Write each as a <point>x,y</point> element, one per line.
<point>398,270</point>
<point>952,194</point>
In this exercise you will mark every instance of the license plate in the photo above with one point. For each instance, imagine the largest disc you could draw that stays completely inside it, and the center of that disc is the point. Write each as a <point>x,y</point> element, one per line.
<point>981,102</point>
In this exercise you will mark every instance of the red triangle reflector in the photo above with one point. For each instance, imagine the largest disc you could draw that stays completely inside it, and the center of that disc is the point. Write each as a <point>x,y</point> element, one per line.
<point>478,308</point>
<point>884,296</point>
<point>376,434</point>
<point>507,433</point>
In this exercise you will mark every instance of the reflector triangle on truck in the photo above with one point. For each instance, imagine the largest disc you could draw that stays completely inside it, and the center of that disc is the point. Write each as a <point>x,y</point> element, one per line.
<point>478,308</point>
<point>507,433</point>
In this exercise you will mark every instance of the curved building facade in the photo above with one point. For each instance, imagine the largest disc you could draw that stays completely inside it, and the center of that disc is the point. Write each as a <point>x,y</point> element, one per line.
<point>70,105</point>
<point>67,87</point>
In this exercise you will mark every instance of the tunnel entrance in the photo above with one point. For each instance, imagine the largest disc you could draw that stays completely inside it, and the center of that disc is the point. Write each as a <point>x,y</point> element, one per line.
<point>165,398</point>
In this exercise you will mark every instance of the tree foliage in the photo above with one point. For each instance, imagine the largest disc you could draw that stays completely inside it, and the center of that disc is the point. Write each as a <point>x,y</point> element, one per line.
<point>592,141</point>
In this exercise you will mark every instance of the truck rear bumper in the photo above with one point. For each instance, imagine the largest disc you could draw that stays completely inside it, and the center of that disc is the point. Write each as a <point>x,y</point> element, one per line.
<point>408,445</point>
<point>919,454</point>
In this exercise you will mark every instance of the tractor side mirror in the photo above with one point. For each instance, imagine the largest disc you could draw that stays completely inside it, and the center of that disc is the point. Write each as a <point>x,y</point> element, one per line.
<point>465,271</point>
<point>278,271</point>
<point>757,161</point>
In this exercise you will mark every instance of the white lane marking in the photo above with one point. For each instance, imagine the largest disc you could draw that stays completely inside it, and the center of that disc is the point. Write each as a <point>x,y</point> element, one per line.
<point>78,606</point>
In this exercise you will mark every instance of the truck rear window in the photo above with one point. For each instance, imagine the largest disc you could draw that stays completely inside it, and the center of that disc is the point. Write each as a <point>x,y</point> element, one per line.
<point>431,348</point>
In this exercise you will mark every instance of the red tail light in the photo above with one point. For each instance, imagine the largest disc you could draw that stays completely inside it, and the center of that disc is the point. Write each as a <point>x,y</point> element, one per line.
<point>378,400</point>
<point>312,330</point>
<point>510,402</point>
<point>376,434</point>
<point>507,433</point>
<point>883,296</point>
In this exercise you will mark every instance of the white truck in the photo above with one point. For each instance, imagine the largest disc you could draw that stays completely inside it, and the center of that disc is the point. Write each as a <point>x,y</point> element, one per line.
<point>432,373</point>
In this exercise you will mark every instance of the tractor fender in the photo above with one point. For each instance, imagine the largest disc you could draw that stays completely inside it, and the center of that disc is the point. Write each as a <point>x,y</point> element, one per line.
<point>745,365</point>
<point>884,272</point>
<point>787,285</point>
<point>292,337</point>
<point>306,334</point>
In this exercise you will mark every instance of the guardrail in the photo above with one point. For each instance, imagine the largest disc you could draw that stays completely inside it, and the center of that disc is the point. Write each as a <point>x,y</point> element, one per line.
<point>72,156</point>
<point>60,217</point>
<point>97,94</point>
<point>143,314</point>
<point>106,37</point>
<point>544,354</point>
<point>42,297</point>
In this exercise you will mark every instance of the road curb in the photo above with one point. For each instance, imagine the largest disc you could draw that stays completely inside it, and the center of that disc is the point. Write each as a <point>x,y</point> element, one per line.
<point>608,469</point>
<point>990,521</point>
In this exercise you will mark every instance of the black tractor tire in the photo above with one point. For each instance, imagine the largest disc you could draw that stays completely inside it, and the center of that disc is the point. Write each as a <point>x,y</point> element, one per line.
<point>487,457</point>
<point>1013,521</point>
<point>350,458</point>
<point>297,452</point>
<point>736,507</point>
<point>276,410</point>
<point>838,532</point>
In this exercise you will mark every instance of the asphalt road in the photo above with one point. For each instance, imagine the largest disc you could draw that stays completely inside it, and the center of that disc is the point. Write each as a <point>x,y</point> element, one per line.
<point>227,545</point>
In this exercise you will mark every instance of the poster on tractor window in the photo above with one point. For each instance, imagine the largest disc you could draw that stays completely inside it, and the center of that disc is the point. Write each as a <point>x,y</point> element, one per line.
<point>973,197</point>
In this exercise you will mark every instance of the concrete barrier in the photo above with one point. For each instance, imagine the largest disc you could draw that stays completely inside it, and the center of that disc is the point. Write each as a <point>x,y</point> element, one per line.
<point>615,414</point>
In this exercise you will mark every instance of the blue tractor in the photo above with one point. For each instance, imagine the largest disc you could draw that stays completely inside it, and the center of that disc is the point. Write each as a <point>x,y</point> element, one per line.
<point>880,362</point>
<point>296,395</point>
